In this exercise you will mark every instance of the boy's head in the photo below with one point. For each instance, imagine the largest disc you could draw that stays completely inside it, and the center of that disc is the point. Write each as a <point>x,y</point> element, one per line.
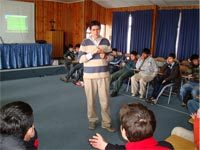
<point>77,47</point>
<point>194,59</point>
<point>171,58</point>
<point>133,55</point>
<point>146,52</point>
<point>114,51</point>
<point>16,119</point>
<point>137,122</point>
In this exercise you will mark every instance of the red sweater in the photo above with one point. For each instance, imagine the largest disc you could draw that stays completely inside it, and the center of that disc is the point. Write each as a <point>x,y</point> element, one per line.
<point>146,144</point>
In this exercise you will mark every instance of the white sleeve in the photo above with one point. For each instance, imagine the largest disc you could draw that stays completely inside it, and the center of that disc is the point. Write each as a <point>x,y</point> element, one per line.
<point>88,56</point>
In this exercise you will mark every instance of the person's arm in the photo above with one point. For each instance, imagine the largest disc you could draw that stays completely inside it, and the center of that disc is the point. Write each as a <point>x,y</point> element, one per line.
<point>99,143</point>
<point>83,56</point>
<point>139,63</point>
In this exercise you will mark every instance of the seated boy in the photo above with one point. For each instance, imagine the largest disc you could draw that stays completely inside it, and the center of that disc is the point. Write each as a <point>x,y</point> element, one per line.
<point>124,73</point>
<point>170,74</point>
<point>16,119</point>
<point>137,127</point>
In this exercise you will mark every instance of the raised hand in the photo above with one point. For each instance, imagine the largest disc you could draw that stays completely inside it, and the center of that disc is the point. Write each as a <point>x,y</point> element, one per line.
<point>98,142</point>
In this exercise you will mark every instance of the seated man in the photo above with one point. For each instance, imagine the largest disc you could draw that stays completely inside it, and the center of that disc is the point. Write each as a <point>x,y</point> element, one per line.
<point>69,56</point>
<point>124,73</point>
<point>147,71</point>
<point>192,86</point>
<point>170,73</point>
<point>114,65</point>
<point>79,68</point>
<point>138,124</point>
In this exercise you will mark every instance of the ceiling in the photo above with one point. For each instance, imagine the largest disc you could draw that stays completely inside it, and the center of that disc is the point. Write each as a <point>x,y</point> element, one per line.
<point>128,3</point>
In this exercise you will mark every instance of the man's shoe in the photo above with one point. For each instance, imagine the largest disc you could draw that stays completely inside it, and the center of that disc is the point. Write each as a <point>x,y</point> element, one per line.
<point>153,101</point>
<point>148,100</point>
<point>63,79</point>
<point>113,94</point>
<point>141,96</point>
<point>134,95</point>
<point>92,125</point>
<point>109,129</point>
<point>183,104</point>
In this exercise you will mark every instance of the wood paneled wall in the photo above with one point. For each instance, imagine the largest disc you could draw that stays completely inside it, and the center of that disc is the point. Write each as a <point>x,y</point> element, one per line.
<point>93,11</point>
<point>74,18</point>
<point>67,17</point>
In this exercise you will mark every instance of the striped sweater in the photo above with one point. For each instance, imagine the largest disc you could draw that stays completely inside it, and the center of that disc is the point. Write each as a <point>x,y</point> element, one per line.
<point>95,67</point>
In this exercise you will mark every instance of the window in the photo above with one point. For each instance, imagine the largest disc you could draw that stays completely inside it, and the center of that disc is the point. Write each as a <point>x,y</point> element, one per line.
<point>129,34</point>
<point>178,33</point>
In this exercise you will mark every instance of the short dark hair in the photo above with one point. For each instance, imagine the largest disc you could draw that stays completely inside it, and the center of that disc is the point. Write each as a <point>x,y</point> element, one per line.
<point>134,53</point>
<point>146,51</point>
<point>114,49</point>
<point>172,55</point>
<point>95,23</point>
<point>194,56</point>
<point>138,121</point>
<point>77,45</point>
<point>8,142</point>
<point>16,118</point>
<point>70,46</point>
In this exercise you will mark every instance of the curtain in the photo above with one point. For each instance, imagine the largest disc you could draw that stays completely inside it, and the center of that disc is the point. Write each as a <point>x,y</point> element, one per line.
<point>166,32</point>
<point>189,34</point>
<point>141,30</point>
<point>120,30</point>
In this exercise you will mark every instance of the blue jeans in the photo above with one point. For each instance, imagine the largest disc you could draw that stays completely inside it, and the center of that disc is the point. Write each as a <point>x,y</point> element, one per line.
<point>187,88</point>
<point>193,105</point>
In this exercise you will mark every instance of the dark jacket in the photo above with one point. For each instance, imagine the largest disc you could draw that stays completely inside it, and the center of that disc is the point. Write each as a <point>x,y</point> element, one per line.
<point>171,72</point>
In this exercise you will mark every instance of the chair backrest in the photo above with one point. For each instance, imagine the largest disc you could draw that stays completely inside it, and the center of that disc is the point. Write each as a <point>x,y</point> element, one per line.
<point>160,61</point>
<point>185,63</point>
<point>184,69</point>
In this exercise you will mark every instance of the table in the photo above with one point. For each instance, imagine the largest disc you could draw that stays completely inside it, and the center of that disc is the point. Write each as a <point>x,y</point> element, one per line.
<point>24,55</point>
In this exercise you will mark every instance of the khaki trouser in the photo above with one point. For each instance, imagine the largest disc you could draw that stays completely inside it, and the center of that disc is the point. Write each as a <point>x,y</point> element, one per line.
<point>143,80</point>
<point>92,86</point>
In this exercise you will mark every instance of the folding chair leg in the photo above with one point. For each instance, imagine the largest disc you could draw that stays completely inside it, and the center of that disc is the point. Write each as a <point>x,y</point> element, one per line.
<point>127,88</point>
<point>147,90</point>
<point>170,93</point>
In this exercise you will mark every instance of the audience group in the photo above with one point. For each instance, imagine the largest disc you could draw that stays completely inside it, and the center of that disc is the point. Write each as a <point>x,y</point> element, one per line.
<point>137,122</point>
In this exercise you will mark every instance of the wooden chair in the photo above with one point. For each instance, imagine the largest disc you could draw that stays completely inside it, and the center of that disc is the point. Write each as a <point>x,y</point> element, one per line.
<point>180,143</point>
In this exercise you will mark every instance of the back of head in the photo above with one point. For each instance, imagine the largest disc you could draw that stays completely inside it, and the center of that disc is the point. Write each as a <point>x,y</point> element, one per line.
<point>16,118</point>
<point>146,51</point>
<point>95,23</point>
<point>138,121</point>
<point>11,143</point>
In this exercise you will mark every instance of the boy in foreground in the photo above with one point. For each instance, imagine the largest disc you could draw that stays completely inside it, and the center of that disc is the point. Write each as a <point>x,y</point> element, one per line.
<point>16,119</point>
<point>137,127</point>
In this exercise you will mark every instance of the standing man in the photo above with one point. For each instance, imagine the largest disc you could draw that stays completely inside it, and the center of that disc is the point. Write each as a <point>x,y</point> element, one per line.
<point>94,54</point>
